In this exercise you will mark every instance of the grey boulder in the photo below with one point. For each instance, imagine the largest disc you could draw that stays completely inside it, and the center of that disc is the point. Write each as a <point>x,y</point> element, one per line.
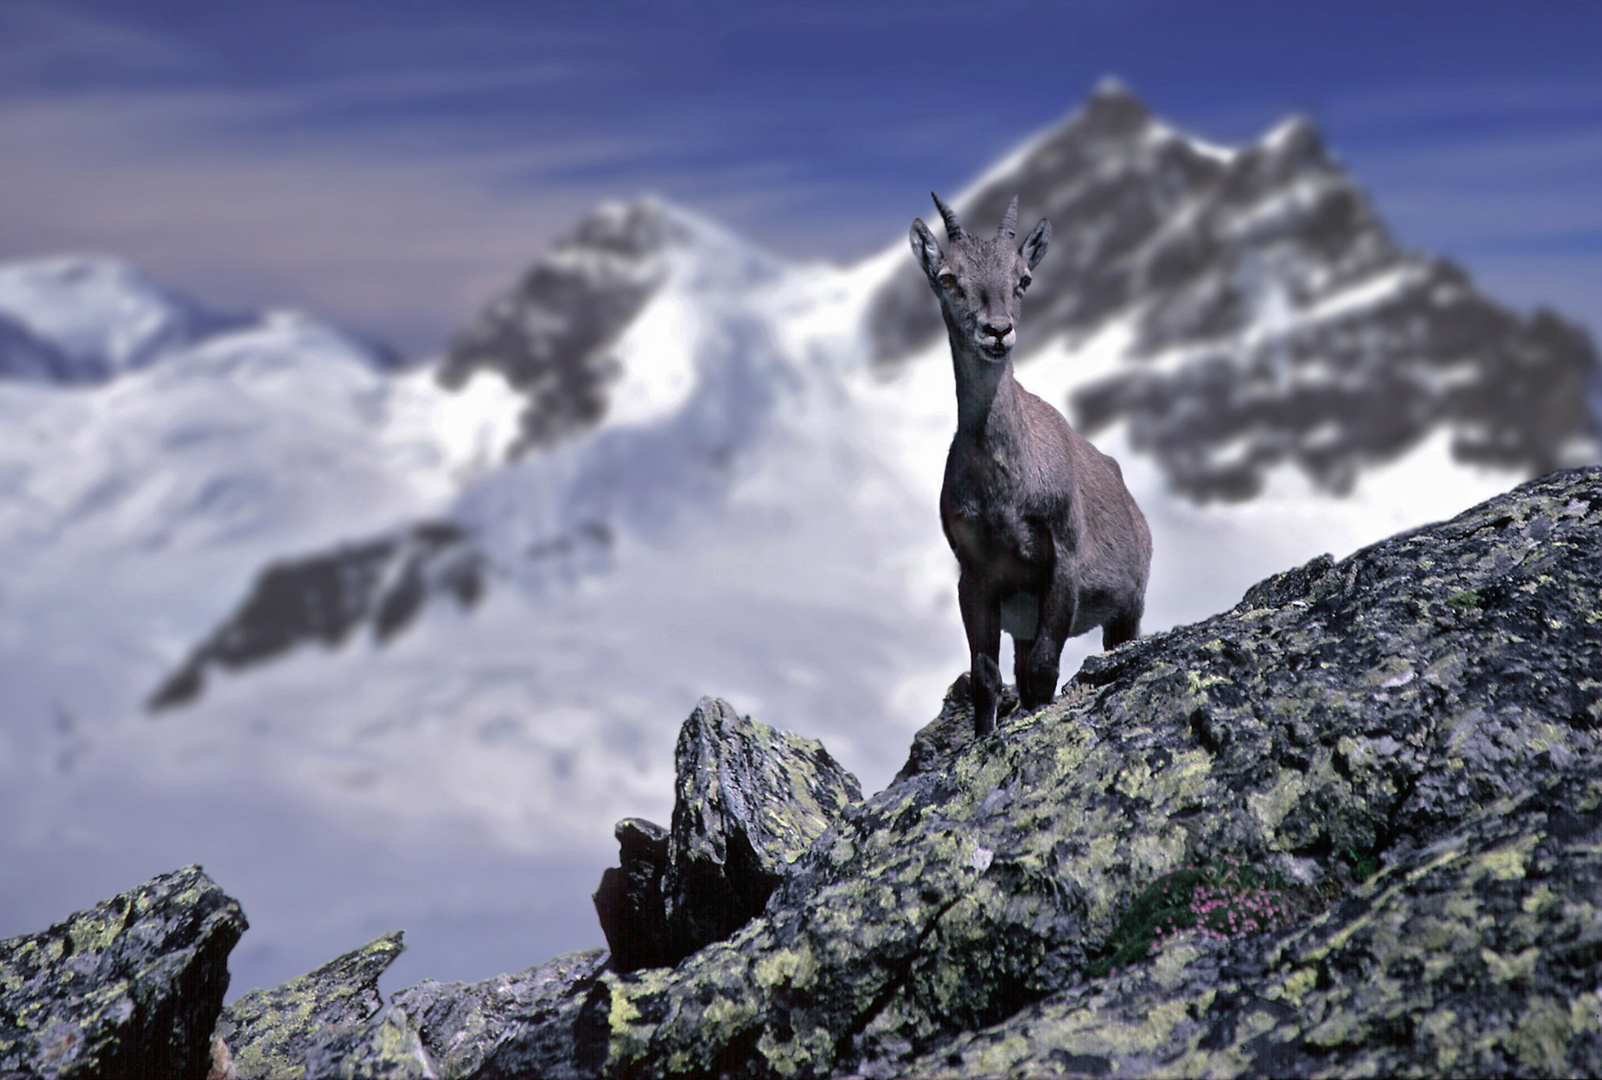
<point>129,988</point>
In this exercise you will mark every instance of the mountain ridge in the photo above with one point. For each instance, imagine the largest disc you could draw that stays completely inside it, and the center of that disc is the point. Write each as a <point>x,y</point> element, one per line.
<point>1274,318</point>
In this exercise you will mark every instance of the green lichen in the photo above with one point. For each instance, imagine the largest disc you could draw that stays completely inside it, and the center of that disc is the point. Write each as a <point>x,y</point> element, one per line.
<point>131,986</point>
<point>1423,785</point>
<point>270,1033</point>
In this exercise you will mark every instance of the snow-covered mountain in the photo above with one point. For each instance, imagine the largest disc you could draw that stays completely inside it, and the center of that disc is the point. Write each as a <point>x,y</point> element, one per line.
<point>1271,317</point>
<point>442,624</point>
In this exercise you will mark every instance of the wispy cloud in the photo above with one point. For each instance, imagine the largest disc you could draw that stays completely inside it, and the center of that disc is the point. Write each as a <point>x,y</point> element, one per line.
<point>52,46</point>
<point>395,198</point>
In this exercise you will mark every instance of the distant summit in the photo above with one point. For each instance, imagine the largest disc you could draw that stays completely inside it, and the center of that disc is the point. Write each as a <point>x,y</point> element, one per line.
<point>87,319</point>
<point>1271,318</point>
<point>552,335</point>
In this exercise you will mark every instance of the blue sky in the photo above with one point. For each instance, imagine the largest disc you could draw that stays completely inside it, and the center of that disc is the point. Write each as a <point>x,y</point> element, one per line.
<point>392,163</point>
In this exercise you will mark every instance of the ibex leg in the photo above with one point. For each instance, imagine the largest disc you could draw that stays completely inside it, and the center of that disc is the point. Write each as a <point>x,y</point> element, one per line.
<point>981,618</point>
<point>1037,679</point>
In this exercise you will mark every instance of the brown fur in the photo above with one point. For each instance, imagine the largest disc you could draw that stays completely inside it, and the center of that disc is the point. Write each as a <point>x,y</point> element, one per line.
<point>1043,528</point>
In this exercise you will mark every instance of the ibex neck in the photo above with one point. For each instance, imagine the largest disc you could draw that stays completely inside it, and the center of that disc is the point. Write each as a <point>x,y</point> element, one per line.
<point>982,387</point>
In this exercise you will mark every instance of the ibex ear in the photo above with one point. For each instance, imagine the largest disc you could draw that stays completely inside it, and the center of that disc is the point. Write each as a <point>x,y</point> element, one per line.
<point>925,248</point>
<point>1033,248</point>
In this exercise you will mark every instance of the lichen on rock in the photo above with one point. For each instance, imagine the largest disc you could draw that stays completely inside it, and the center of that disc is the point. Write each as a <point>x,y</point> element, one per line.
<point>1345,716</point>
<point>272,1033</point>
<point>750,800</point>
<point>1404,743</point>
<point>129,988</point>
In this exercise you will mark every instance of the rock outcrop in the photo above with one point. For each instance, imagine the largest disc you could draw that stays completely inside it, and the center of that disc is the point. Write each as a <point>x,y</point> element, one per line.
<point>129,988</point>
<point>1352,826</point>
<point>326,597</point>
<point>287,1031</point>
<point>1409,733</point>
<point>749,802</point>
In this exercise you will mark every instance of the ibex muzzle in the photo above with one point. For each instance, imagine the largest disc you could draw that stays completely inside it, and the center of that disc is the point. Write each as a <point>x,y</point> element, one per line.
<point>1049,541</point>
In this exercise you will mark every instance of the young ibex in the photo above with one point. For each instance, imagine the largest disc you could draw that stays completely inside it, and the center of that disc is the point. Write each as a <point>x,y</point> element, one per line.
<point>1049,541</point>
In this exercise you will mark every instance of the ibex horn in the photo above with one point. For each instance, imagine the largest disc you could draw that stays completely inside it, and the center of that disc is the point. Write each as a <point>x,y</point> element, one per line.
<point>1009,224</point>
<point>953,226</point>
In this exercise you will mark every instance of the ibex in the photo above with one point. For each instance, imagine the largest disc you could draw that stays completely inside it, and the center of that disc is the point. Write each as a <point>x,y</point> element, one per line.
<point>1049,541</point>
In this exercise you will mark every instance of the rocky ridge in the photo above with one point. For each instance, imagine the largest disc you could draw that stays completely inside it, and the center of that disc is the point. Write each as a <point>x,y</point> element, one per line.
<point>381,584</point>
<point>1424,711</point>
<point>1402,747</point>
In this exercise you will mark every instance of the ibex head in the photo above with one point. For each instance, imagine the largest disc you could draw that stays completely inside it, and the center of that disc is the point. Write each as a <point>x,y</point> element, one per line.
<point>981,283</point>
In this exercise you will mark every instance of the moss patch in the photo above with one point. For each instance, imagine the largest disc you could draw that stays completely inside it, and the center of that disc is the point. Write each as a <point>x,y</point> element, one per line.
<point>1223,900</point>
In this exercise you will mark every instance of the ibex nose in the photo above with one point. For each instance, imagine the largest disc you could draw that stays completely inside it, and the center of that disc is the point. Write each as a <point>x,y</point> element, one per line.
<point>995,330</point>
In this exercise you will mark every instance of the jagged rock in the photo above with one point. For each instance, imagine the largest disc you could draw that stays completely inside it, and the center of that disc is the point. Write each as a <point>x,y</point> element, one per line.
<point>1427,708</point>
<point>1272,317</point>
<point>942,738</point>
<point>629,900</point>
<point>510,1026</point>
<point>749,800</point>
<point>286,1031</point>
<point>129,988</point>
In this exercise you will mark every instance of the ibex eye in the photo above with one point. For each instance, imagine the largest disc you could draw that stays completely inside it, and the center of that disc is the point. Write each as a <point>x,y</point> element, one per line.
<point>1023,282</point>
<point>947,279</point>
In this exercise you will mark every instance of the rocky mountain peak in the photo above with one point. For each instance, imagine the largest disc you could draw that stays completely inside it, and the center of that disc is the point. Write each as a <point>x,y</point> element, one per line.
<point>552,334</point>
<point>1112,110</point>
<point>1271,318</point>
<point>1296,141</point>
<point>629,230</point>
